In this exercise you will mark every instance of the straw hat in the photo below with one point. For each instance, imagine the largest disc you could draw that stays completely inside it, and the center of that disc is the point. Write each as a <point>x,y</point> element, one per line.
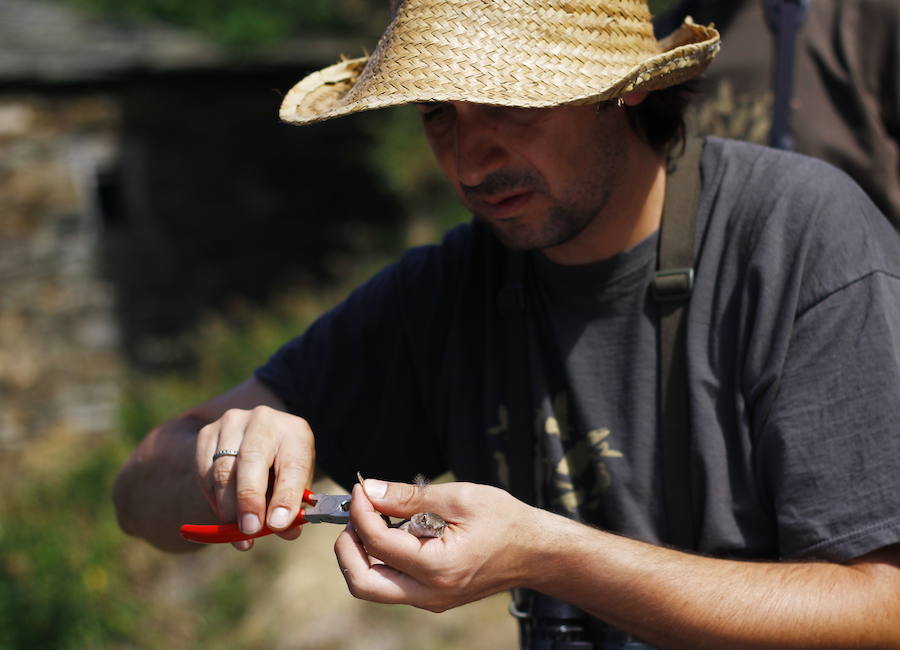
<point>526,53</point>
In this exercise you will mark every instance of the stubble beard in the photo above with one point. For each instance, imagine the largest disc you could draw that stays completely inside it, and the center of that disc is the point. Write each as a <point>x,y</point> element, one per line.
<point>564,219</point>
<point>563,223</point>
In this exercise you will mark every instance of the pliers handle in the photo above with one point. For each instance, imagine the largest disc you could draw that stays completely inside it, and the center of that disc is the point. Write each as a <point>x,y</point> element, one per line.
<point>326,508</point>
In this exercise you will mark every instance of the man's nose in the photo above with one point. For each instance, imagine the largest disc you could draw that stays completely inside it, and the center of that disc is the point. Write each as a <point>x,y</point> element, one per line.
<point>479,149</point>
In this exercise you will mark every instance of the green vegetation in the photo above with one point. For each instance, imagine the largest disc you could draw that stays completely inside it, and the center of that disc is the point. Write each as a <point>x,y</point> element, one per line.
<point>245,23</point>
<point>59,545</point>
<point>69,578</point>
<point>659,6</point>
<point>229,346</point>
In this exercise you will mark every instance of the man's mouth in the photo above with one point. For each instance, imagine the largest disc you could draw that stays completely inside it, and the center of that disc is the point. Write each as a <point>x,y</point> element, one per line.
<point>505,205</point>
<point>504,194</point>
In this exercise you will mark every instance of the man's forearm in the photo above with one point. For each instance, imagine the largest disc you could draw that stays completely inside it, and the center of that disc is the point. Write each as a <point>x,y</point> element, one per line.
<point>156,490</point>
<point>673,599</point>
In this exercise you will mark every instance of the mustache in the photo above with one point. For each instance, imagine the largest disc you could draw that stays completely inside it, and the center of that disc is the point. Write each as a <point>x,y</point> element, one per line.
<point>501,181</point>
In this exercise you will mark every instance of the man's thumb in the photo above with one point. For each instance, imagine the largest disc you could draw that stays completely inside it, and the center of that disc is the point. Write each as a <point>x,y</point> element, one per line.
<point>394,499</point>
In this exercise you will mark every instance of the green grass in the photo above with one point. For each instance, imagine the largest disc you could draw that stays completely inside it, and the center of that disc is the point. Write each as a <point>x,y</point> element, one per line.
<point>69,578</point>
<point>60,546</point>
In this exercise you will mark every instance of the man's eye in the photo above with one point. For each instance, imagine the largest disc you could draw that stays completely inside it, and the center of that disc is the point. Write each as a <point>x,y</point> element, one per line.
<point>432,114</point>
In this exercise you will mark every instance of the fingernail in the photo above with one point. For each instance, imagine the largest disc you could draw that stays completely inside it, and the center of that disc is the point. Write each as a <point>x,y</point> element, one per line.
<point>243,545</point>
<point>249,523</point>
<point>375,489</point>
<point>279,517</point>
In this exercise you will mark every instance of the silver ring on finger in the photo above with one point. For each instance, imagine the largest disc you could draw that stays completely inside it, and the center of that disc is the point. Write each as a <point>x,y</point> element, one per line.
<point>224,452</point>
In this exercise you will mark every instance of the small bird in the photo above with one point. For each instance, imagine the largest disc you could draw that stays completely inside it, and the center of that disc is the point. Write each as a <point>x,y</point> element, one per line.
<point>424,524</point>
<point>421,524</point>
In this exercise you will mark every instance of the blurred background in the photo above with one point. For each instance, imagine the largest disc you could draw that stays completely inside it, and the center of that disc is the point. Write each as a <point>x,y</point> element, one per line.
<point>161,233</point>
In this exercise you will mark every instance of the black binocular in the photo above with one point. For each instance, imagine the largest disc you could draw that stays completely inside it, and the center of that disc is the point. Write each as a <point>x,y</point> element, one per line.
<point>547,623</point>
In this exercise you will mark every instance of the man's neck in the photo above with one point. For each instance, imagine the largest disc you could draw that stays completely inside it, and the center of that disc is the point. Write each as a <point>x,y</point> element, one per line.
<point>632,214</point>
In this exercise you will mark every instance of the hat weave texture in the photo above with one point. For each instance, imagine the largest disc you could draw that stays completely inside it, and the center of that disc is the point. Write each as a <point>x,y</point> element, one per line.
<point>525,53</point>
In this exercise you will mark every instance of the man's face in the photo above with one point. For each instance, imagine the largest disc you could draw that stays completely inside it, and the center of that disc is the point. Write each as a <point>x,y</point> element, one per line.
<point>536,176</point>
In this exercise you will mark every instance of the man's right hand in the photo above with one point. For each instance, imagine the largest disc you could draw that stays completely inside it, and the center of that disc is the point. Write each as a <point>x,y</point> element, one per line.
<point>271,446</point>
<point>157,490</point>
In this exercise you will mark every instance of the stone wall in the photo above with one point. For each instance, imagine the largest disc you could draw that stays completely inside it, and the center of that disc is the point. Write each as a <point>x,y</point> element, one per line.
<point>59,363</point>
<point>132,210</point>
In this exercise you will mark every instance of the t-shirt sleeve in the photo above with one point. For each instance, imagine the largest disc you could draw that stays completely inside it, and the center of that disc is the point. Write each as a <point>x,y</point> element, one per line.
<point>832,443</point>
<point>829,446</point>
<point>363,376</point>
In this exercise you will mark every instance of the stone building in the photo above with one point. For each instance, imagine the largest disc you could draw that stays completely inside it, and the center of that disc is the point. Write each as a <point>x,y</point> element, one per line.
<point>145,179</point>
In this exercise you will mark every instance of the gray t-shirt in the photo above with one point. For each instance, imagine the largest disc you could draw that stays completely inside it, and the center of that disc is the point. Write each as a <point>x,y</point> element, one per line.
<point>793,369</point>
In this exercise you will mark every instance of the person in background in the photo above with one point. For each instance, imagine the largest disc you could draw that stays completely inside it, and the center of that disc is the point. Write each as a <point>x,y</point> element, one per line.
<point>846,84</point>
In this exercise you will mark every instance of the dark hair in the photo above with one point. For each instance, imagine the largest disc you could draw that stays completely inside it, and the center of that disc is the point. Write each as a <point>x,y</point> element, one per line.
<point>660,118</point>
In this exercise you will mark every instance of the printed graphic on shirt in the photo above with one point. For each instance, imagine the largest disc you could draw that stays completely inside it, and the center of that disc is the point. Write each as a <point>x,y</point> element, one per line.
<point>576,472</point>
<point>579,474</point>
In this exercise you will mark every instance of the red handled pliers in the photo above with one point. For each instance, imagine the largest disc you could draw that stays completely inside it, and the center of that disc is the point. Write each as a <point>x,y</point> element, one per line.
<point>326,508</point>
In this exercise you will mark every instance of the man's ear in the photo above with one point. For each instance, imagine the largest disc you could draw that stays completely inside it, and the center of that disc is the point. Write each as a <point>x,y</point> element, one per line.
<point>635,98</point>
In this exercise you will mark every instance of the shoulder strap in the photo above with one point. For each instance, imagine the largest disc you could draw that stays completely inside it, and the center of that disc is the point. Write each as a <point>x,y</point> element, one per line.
<point>672,285</point>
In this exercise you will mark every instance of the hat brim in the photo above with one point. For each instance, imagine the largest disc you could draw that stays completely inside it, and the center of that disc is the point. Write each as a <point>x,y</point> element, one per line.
<point>355,85</point>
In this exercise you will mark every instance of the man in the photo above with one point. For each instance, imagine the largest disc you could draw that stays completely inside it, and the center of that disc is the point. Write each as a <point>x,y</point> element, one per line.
<point>547,117</point>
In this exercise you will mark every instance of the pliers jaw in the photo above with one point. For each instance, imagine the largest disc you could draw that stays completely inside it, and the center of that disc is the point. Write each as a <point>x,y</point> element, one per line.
<point>328,509</point>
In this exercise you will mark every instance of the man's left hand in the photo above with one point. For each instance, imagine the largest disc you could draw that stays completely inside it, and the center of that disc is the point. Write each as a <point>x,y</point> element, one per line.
<point>484,548</point>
